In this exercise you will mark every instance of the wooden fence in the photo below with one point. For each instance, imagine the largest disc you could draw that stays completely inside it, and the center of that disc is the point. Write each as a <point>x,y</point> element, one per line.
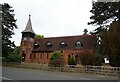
<point>104,70</point>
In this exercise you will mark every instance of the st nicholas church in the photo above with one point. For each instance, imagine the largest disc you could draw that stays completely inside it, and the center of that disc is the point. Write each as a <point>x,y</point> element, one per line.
<point>34,50</point>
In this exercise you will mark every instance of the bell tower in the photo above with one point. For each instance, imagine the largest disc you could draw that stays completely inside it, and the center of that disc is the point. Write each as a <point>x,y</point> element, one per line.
<point>27,42</point>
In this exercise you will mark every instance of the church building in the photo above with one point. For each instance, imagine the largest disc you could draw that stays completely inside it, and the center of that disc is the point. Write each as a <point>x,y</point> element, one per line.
<point>39,50</point>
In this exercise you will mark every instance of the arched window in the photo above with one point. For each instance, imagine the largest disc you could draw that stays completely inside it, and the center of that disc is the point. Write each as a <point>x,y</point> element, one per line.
<point>63,44</point>
<point>34,56</point>
<point>41,55</point>
<point>76,58</point>
<point>31,39</point>
<point>47,55</point>
<point>69,56</point>
<point>25,38</point>
<point>30,56</point>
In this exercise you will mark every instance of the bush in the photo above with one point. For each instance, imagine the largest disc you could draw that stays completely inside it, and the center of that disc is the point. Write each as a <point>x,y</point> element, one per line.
<point>13,58</point>
<point>87,59</point>
<point>4,59</point>
<point>72,61</point>
<point>57,59</point>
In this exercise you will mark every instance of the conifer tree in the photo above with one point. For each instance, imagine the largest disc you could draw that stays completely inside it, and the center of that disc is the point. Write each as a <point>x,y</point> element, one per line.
<point>8,26</point>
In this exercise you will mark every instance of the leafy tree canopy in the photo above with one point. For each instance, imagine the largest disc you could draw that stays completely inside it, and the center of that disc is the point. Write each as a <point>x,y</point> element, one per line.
<point>39,36</point>
<point>8,26</point>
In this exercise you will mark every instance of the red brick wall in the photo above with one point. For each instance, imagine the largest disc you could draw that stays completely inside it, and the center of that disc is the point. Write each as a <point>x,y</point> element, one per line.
<point>27,49</point>
<point>40,59</point>
<point>45,60</point>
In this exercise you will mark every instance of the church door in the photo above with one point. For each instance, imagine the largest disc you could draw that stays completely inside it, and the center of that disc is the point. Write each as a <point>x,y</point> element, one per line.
<point>23,57</point>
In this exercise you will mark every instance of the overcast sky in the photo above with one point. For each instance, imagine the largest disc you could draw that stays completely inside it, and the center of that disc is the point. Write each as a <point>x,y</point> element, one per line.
<point>52,18</point>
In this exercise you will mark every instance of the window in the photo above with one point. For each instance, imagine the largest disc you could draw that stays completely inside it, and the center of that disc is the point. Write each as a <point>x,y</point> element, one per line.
<point>41,56</point>
<point>49,45</point>
<point>78,44</point>
<point>47,55</point>
<point>69,56</point>
<point>63,44</point>
<point>30,56</point>
<point>36,45</point>
<point>72,55</point>
<point>76,57</point>
<point>31,39</point>
<point>25,43</point>
<point>34,56</point>
<point>25,38</point>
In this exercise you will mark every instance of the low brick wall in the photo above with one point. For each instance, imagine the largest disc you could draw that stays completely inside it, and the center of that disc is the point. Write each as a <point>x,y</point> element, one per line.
<point>103,70</point>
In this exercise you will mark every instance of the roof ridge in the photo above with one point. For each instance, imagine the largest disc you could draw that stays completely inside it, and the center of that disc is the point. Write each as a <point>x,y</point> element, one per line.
<point>65,36</point>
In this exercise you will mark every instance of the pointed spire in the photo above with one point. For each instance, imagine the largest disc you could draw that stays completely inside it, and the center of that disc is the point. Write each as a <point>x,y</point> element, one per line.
<point>29,26</point>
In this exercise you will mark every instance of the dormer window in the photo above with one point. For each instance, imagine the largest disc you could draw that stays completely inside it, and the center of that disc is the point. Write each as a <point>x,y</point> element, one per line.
<point>49,45</point>
<point>63,44</point>
<point>78,44</point>
<point>36,45</point>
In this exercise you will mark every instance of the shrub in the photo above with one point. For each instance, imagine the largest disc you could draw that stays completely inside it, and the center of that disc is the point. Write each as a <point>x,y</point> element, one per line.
<point>57,59</point>
<point>13,58</point>
<point>4,59</point>
<point>72,61</point>
<point>87,59</point>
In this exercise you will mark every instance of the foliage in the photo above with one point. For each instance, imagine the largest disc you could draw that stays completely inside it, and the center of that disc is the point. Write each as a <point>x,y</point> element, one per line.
<point>57,59</point>
<point>85,31</point>
<point>8,26</point>
<point>104,13</point>
<point>112,41</point>
<point>39,36</point>
<point>72,61</point>
<point>89,59</point>
<point>13,57</point>
<point>16,50</point>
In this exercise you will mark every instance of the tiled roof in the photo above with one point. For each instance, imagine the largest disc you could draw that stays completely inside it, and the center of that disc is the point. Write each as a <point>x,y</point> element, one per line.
<point>28,27</point>
<point>88,41</point>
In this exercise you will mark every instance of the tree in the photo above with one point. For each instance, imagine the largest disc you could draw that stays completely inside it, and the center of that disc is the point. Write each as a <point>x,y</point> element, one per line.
<point>85,31</point>
<point>103,14</point>
<point>39,36</point>
<point>13,57</point>
<point>16,50</point>
<point>112,42</point>
<point>8,26</point>
<point>57,59</point>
